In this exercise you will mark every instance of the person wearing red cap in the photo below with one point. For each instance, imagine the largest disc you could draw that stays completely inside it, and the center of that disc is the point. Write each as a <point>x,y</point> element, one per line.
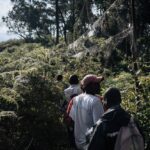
<point>87,109</point>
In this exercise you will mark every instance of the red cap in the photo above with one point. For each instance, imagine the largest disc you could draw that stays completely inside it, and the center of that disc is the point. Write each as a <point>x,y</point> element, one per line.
<point>91,78</point>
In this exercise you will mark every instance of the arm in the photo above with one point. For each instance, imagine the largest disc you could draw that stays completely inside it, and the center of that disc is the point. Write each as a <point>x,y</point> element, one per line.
<point>97,110</point>
<point>67,94</point>
<point>97,141</point>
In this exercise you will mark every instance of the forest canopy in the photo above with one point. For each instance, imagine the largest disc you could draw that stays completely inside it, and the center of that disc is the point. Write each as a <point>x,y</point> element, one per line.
<point>68,19</point>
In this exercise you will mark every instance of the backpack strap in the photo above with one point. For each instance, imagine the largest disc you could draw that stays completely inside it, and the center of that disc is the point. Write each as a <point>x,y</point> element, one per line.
<point>69,106</point>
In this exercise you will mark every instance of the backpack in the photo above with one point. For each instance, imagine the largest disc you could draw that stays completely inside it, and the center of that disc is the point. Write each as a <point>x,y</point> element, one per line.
<point>67,108</point>
<point>65,104</point>
<point>69,123</point>
<point>129,138</point>
<point>67,119</point>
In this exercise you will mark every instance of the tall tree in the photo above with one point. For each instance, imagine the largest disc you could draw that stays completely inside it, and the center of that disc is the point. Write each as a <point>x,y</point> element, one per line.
<point>29,19</point>
<point>57,21</point>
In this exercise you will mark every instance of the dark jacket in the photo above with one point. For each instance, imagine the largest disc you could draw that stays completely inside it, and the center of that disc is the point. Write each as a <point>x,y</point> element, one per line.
<point>106,130</point>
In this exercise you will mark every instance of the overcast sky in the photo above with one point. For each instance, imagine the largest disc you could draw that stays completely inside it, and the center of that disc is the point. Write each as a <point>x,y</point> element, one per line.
<point>5,6</point>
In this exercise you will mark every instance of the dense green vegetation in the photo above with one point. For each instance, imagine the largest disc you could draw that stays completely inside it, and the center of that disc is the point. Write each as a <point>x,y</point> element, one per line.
<point>29,88</point>
<point>30,95</point>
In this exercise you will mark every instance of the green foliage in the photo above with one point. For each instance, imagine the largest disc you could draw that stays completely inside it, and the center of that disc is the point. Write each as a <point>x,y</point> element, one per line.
<point>8,120</point>
<point>28,87</point>
<point>7,104</point>
<point>37,106</point>
<point>20,19</point>
<point>28,71</point>
<point>143,116</point>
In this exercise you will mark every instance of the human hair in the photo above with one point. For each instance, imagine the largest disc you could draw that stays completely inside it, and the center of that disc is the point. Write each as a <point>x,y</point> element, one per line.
<point>74,79</point>
<point>59,77</point>
<point>112,97</point>
<point>92,88</point>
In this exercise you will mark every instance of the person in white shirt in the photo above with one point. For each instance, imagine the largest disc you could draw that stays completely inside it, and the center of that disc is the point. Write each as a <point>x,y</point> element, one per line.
<point>74,89</point>
<point>86,109</point>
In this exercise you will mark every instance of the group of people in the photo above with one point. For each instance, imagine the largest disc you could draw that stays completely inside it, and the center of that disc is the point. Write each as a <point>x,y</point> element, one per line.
<point>96,120</point>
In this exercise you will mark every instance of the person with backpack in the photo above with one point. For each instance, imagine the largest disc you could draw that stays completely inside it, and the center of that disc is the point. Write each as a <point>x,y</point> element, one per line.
<point>86,109</point>
<point>112,131</point>
<point>73,90</point>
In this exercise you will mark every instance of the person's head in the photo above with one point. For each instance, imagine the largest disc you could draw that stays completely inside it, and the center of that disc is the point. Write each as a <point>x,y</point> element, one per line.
<point>73,79</point>
<point>91,84</point>
<point>59,77</point>
<point>112,97</point>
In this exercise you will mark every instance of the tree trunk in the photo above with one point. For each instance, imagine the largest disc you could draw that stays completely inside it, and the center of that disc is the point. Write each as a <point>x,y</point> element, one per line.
<point>57,22</point>
<point>64,28</point>
<point>134,36</point>
<point>73,14</point>
<point>73,18</point>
